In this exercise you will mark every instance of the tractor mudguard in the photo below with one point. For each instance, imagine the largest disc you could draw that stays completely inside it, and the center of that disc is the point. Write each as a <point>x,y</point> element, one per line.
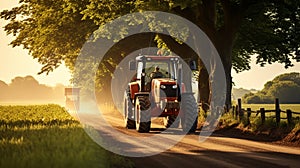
<point>133,88</point>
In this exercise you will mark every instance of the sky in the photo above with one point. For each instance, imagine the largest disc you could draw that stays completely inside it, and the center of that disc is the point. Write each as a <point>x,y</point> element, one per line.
<point>16,62</point>
<point>257,76</point>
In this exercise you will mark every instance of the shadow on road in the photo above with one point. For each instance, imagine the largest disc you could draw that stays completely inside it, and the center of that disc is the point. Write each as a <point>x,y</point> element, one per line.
<point>240,134</point>
<point>210,158</point>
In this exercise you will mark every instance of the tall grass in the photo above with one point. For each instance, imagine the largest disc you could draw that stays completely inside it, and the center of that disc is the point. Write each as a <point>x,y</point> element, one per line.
<point>47,136</point>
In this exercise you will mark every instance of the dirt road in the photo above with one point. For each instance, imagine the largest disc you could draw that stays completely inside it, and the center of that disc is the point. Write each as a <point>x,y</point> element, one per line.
<point>216,151</point>
<point>219,151</point>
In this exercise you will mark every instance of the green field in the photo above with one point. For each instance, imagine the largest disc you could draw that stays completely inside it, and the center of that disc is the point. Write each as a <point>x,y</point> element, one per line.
<point>283,107</point>
<point>47,136</point>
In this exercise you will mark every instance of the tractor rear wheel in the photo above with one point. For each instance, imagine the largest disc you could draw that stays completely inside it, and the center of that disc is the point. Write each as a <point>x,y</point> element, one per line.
<point>189,113</point>
<point>170,121</point>
<point>128,113</point>
<point>142,114</point>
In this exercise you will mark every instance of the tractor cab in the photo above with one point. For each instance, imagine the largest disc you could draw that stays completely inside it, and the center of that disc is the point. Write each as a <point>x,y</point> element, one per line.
<point>147,68</point>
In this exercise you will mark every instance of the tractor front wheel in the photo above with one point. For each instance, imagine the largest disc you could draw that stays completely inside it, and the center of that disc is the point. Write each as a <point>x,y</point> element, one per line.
<point>189,113</point>
<point>142,114</point>
<point>128,113</point>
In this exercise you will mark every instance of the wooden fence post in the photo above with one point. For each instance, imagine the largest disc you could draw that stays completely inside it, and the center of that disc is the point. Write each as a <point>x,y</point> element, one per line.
<point>263,115</point>
<point>236,112</point>
<point>240,113</point>
<point>226,108</point>
<point>233,111</point>
<point>289,116</point>
<point>277,109</point>
<point>248,115</point>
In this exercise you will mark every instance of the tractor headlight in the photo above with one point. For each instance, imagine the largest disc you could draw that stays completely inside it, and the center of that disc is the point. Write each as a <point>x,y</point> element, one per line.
<point>163,87</point>
<point>174,86</point>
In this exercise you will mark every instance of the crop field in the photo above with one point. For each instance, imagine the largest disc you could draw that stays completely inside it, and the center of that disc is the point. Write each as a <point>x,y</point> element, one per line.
<point>47,136</point>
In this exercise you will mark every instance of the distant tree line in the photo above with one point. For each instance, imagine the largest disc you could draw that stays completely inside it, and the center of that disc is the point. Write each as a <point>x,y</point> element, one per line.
<point>286,87</point>
<point>29,89</point>
<point>240,92</point>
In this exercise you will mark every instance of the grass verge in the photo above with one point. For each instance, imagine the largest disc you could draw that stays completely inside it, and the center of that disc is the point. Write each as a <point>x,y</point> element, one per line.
<point>268,131</point>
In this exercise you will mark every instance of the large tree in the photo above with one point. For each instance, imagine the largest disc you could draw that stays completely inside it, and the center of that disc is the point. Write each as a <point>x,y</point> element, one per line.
<point>54,31</point>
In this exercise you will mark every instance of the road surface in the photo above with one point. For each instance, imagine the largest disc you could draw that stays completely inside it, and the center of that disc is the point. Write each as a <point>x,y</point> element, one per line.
<point>216,151</point>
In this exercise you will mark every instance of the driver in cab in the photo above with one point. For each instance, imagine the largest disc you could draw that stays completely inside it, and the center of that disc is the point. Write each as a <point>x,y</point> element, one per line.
<point>156,73</point>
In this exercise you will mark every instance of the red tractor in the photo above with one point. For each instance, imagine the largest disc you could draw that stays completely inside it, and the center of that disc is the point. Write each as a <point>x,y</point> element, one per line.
<point>157,90</point>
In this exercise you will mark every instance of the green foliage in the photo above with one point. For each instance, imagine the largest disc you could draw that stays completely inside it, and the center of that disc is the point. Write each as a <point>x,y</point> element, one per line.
<point>285,87</point>
<point>286,91</point>
<point>270,29</point>
<point>54,31</point>
<point>259,97</point>
<point>47,136</point>
<point>293,76</point>
<point>102,12</point>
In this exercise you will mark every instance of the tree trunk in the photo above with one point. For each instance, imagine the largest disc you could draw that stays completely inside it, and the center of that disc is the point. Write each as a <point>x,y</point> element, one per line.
<point>224,46</point>
<point>222,37</point>
<point>203,86</point>
<point>227,69</point>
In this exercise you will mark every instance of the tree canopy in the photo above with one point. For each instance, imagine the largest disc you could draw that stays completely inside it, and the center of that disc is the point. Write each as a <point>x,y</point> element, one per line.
<point>286,87</point>
<point>54,31</point>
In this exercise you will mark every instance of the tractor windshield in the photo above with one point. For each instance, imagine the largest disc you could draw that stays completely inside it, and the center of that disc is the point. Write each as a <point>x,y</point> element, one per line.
<point>162,67</point>
<point>166,68</point>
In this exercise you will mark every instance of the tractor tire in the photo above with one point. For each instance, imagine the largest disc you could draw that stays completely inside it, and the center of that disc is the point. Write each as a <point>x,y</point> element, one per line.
<point>171,122</point>
<point>128,113</point>
<point>142,114</point>
<point>189,113</point>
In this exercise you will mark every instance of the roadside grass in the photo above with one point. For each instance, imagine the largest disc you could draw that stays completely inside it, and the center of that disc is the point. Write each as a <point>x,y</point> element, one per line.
<point>47,136</point>
<point>227,120</point>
